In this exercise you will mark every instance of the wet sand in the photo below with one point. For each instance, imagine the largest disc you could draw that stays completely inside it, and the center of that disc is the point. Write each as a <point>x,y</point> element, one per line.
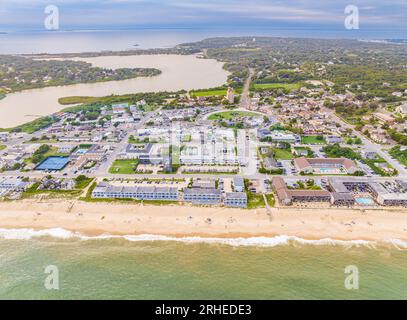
<point>181,221</point>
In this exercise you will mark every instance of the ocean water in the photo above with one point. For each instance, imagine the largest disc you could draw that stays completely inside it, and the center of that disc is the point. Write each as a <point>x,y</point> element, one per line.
<point>139,268</point>
<point>73,41</point>
<point>133,268</point>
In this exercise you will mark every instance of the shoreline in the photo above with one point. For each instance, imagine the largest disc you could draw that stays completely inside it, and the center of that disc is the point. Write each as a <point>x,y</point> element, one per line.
<point>129,220</point>
<point>178,72</point>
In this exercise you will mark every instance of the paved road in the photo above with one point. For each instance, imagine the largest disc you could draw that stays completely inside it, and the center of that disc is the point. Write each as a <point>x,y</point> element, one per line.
<point>40,174</point>
<point>371,145</point>
<point>245,96</point>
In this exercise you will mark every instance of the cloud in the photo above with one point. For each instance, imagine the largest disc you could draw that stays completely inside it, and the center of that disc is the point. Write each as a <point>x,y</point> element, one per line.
<point>77,13</point>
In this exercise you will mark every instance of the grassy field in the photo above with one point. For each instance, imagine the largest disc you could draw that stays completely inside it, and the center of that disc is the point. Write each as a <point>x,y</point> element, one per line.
<point>57,194</point>
<point>378,170</point>
<point>213,92</point>
<point>286,86</point>
<point>312,140</point>
<point>124,166</point>
<point>230,115</point>
<point>81,182</point>
<point>77,100</point>
<point>208,93</point>
<point>255,201</point>
<point>311,153</point>
<point>2,147</point>
<point>133,140</point>
<point>401,156</point>
<point>33,126</point>
<point>271,200</point>
<point>282,154</point>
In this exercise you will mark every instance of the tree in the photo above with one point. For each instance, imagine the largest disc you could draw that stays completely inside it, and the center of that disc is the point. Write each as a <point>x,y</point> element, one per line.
<point>357,141</point>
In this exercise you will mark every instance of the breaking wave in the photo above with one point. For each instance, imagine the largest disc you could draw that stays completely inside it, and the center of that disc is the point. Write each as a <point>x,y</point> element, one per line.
<point>60,233</point>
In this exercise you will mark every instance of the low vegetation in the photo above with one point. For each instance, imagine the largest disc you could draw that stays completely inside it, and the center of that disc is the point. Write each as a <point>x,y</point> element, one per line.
<point>313,140</point>
<point>20,73</point>
<point>81,182</point>
<point>336,151</point>
<point>43,152</point>
<point>400,155</point>
<point>124,166</point>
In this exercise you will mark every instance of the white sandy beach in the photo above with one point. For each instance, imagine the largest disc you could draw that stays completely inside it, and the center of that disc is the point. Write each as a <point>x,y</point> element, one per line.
<point>186,221</point>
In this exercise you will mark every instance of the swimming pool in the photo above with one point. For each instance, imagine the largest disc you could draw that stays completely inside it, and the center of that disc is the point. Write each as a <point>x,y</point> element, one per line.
<point>364,201</point>
<point>81,151</point>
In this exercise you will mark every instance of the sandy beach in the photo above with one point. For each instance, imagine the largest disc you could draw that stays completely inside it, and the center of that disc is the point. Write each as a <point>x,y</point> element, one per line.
<point>185,221</point>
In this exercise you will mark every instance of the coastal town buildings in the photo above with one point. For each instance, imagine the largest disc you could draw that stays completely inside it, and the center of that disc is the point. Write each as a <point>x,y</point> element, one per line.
<point>325,166</point>
<point>106,191</point>
<point>236,199</point>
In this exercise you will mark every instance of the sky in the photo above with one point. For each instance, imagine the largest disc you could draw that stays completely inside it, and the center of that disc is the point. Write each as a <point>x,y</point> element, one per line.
<point>116,14</point>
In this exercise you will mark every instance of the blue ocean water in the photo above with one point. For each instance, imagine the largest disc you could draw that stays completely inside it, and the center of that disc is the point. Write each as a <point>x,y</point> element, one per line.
<point>67,41</point>
<point>123,269</point>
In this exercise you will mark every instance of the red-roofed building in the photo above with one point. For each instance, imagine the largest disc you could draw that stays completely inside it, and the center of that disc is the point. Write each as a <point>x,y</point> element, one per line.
<point>325,166</point>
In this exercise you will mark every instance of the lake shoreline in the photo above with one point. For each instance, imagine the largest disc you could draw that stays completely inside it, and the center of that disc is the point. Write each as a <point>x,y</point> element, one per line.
<point>178,72</point>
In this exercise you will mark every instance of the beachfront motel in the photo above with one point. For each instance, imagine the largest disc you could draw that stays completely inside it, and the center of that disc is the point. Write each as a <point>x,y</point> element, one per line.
<point>345,192</point>
<point>195,195</point>
<point>325,166</point>
<point>106,191</point>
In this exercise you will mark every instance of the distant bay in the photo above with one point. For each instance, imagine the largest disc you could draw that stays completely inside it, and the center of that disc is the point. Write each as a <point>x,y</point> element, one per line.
<point>75,41</point>
<point>178,72</point>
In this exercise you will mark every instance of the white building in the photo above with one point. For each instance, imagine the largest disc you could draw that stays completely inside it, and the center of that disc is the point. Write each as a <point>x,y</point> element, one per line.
<point>402,109</point>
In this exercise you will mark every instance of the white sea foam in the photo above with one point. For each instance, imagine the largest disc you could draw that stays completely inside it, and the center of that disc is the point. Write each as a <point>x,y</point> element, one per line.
<point>26,234</point>
<point>60,233</point>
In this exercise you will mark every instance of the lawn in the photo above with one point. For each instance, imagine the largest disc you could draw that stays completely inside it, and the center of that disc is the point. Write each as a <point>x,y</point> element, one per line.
<point>378,170</point>
<point>309,185</point>
<point>230,115</point>
<point>2,147</point>
<point>81,182</point>
<point>311,153</point>
<point>271,200</point>
<point>124,166</point>
<point>133,140</point>
<point>208,93</point>
<point>187,138</point>
<point>336,151</point>
<point>313,140</point>
<point>282,154</point>
<point>287,86</point>
<point>255,201</point>
<point>213,92</point>
<point>401,156</point>
<point>34,125</point>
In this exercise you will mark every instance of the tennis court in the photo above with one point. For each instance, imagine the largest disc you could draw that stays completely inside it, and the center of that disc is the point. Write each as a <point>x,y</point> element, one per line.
<point>53,163</point>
